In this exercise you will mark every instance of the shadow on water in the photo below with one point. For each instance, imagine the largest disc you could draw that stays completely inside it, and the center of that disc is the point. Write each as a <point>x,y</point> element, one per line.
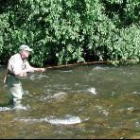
<point>82,102</point>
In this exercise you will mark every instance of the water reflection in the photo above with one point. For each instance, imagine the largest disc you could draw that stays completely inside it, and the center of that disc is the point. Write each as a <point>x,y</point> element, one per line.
<point>80,102</point>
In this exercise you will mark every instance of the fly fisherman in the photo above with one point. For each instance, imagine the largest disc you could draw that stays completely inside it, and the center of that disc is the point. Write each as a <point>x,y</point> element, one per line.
<point>18,66</point>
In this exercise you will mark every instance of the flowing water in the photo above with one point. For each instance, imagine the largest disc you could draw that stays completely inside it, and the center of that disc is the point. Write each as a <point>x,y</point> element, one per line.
<point>84,102</point>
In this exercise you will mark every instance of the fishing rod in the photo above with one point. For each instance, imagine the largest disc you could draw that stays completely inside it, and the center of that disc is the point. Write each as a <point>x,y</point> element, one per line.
<point>80,63</point>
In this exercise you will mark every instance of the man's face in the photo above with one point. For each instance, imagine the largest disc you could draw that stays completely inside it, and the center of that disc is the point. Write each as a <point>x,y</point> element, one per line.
<point>25,54</point>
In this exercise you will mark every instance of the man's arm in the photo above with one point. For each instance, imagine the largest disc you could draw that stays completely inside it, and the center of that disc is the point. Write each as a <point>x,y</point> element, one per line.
<point>39,69</point>
<point>18,71</point>
<point>32,69</point>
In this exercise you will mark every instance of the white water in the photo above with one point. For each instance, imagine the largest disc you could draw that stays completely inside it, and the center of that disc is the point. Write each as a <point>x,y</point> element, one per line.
<point>67,120</point>
<point>20,107</point>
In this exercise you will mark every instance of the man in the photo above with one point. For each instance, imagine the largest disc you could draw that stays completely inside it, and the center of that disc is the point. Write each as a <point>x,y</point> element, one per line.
<point>18,67</point>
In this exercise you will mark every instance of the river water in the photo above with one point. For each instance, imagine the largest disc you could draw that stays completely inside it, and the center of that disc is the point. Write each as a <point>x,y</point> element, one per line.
<point>83,102</point>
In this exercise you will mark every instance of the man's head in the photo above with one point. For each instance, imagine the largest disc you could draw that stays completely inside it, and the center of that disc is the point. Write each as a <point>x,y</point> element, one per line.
<point>25,51</point>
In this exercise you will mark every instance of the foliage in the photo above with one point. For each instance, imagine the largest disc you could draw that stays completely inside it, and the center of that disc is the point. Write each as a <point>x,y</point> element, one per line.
<point>66,31</point>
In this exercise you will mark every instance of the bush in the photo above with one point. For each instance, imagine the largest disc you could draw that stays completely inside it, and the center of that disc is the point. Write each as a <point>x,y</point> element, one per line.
<point>67,31</point>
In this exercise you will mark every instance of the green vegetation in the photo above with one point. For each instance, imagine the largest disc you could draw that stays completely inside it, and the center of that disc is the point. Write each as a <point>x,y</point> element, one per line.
<point>67,31</point>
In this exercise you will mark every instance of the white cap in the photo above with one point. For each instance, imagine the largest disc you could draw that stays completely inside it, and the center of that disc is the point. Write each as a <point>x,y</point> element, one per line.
<point>26,48</point>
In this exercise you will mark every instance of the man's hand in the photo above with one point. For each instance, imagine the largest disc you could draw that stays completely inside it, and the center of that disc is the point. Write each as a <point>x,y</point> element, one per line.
<point>41,69</point>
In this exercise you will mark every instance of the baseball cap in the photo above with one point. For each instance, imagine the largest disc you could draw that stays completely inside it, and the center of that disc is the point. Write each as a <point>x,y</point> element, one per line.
<point>26,48</point>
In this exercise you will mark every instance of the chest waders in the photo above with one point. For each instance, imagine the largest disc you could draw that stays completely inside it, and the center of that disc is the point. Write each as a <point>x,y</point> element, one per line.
<point>15,88</point>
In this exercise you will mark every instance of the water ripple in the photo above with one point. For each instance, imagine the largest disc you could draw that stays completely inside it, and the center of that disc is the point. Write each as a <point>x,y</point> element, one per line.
<point>10,108</point>
<point>67,120</point>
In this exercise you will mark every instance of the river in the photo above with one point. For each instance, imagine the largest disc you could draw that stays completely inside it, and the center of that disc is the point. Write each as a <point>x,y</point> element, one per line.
<point>82,102</point>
